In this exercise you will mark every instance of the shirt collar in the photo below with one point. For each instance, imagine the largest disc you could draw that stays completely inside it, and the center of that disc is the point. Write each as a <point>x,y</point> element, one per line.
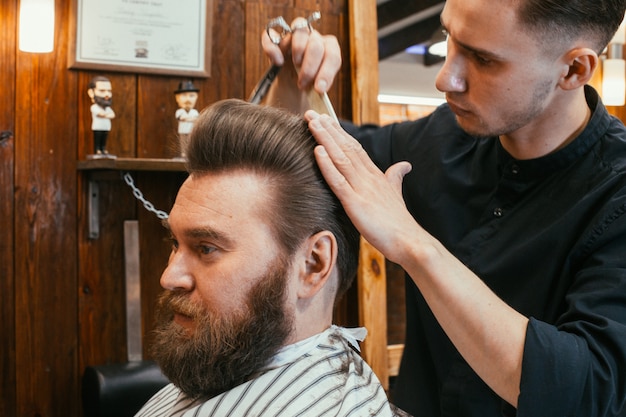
<point>540,167</point>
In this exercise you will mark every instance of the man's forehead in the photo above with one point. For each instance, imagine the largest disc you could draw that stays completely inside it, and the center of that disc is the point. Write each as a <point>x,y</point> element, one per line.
<point>229,196</point>
<point>103,85</point>
<point>484,26</point>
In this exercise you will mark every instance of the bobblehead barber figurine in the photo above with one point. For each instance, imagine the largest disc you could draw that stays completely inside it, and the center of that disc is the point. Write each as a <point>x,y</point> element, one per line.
<point>101,94</point>
<point>186,97</point>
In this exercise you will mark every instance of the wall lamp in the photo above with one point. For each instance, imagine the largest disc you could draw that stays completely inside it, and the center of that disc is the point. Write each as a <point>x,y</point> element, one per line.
<point>439,43</point>
<point>614,71</point>
<point>36,27</point>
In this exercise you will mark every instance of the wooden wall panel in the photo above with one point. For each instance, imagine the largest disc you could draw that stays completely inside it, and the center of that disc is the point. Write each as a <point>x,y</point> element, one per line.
<point>7,280</point>
<point>62,291</point>
<point>228,64</point>
<point>102,337</point>
<point>45,232</point>
<point>7,276</point>
<point>157,126</point>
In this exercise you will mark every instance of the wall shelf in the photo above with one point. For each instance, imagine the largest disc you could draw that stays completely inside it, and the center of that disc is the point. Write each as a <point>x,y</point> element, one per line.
<point>95,168</point>
<point>132,164</point>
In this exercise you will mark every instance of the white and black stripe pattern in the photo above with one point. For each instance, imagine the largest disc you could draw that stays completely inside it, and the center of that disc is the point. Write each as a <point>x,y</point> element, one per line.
<point>329,380</point>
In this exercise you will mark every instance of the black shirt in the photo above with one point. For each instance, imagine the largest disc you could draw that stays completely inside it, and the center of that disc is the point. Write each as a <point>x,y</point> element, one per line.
<point>547,235</point>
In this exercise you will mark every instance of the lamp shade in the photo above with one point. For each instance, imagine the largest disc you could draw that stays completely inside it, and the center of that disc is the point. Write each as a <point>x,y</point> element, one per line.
<point>613,83</point>
<point>440,48</point>
<point>36,30</point>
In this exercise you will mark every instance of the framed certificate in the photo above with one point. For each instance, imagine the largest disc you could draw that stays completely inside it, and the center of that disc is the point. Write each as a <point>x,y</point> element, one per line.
<point>142,36</point>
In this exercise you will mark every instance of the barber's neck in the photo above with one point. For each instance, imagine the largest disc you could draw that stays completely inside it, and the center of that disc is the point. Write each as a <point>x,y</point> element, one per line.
<point>558,125</point>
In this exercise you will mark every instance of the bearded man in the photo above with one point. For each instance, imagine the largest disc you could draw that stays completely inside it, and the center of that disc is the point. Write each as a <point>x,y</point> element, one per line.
<point>261,251</point>
<point>101,93</point>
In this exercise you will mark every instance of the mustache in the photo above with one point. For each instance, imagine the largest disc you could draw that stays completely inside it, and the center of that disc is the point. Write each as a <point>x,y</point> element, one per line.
<point>104,102</point>
<point>177,302</point>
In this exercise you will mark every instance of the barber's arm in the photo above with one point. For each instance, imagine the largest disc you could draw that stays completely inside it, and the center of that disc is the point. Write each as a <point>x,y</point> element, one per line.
<point>313,60</point>
<point>488,333</point>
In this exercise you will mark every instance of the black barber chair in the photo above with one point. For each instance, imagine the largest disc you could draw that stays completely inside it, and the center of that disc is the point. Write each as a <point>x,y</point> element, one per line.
<point>119,390</point>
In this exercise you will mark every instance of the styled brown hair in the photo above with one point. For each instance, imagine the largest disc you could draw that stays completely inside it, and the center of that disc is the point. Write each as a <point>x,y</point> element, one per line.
<point>236,135</point>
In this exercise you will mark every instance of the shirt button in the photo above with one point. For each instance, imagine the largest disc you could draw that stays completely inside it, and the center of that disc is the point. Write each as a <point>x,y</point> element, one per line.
<point>497,212</point>
<point>515,169</point>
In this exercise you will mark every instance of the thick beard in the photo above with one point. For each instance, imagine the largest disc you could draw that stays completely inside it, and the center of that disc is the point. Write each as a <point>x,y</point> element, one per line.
<point>224,351</point>
<point>103,102</point>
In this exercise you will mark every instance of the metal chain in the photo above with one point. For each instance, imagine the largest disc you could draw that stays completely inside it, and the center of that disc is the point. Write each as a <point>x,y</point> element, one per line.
<point>139,196</point>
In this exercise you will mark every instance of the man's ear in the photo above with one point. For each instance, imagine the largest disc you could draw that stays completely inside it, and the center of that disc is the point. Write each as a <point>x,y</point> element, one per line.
<point>581,64</point>
<point>319,256</point>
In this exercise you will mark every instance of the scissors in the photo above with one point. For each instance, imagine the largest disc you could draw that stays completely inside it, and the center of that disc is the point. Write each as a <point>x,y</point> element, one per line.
<point>277,29</point>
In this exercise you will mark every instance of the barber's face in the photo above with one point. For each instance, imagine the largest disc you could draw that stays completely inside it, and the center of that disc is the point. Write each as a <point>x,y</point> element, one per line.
<point>497,77</point>
<point>224,312</point>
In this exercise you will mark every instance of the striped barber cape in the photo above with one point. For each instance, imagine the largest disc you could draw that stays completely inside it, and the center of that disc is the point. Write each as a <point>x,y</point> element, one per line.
<point>319,376</point>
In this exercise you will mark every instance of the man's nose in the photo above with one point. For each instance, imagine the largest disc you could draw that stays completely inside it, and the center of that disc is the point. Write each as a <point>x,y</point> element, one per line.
<point>177,274</point>
<point>451,76</point>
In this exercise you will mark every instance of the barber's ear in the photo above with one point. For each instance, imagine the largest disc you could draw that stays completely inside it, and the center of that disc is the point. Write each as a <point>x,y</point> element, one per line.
<point>581,63</point>
<point>320,255</point>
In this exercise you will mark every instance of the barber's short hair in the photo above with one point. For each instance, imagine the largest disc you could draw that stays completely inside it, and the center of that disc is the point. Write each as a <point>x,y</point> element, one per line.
<point>233,134</point>
<point>597,20</point>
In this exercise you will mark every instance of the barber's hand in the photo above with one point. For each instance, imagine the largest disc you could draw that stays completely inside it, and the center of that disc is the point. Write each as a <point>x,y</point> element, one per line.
<point>373,200</point>
<point>316,57</point>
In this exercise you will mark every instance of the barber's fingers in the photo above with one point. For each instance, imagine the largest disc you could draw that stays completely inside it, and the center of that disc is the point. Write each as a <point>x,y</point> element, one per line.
<point>272,50</point>
<point>300,45</point>
<point>317,57</point>
<point>321,63</point>
<point>347,155</point>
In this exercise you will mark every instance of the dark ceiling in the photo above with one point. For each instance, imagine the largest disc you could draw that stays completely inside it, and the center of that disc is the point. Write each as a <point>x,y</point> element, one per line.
<point>404,23</point>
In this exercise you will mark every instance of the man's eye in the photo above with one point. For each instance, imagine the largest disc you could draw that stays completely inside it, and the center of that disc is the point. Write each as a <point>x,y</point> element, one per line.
<point>206,250</point>
<point>481,60</point>
<point>173,242</point>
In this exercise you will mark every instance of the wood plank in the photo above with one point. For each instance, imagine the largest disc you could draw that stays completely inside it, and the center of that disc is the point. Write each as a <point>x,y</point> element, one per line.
<point>228,66</point>
<point>372,309</point>
<point>371,275</point>
<point>156,108</point>
<point>101,318</point>
<point>8,42</point>
<point>394,353</point>
<point>364,61</point>
<point>7,281</point>
<point>45,240</point>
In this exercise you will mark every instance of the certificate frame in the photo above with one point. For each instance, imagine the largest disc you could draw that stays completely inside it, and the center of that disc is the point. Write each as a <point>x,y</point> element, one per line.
<point>168,37</point>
